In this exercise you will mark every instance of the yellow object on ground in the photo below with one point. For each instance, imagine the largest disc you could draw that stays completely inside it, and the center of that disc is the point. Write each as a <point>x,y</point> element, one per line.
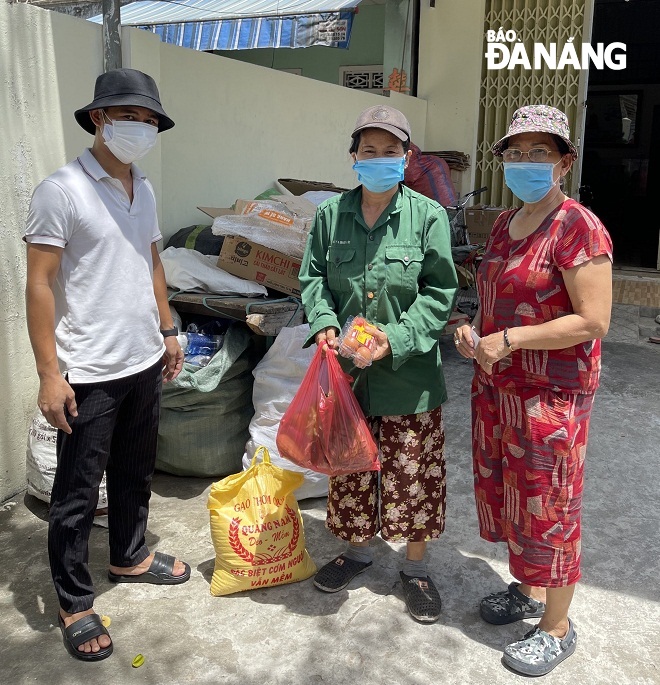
<point>138,661</point>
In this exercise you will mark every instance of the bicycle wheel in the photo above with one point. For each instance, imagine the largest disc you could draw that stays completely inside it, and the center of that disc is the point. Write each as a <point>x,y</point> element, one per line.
<point>467,298</point>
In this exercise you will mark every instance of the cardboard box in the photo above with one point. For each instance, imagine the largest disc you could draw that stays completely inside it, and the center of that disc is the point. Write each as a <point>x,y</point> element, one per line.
<point>300,207</point>
<point>216,211</point>
<point>297,187</point>
<point>479,220</point>
<point>254,262</point>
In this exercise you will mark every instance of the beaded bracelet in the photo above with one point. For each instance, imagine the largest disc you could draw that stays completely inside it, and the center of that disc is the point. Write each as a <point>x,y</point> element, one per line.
<point>506,339</point>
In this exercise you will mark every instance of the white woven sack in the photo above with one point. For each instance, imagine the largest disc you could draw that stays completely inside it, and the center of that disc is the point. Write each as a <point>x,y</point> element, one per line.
<point>192,271</point>
<point>277,378</point>
<point>41,460</point>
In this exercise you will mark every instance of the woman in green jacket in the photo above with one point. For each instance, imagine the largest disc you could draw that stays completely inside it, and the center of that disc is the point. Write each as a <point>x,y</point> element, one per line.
<point>382,251</point>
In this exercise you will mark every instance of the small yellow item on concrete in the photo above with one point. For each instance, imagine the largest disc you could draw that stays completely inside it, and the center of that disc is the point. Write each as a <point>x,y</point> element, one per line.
<point>138,661</point>
<point>106,621</point>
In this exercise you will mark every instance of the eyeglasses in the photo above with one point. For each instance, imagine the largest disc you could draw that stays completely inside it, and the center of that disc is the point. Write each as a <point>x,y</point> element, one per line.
<point>536,154</point>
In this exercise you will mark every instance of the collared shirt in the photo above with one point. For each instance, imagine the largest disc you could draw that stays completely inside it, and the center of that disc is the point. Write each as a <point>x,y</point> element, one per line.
<point>106,317</point>
<point>400,276</point>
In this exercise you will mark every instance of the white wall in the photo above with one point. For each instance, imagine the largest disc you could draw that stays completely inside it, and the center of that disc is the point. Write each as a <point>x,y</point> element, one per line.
<point>38,49</point>
<point>239,128</point>
<point>449,77</point>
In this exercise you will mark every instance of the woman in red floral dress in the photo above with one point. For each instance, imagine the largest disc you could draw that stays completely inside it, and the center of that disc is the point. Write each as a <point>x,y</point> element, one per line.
<point>545,291</point>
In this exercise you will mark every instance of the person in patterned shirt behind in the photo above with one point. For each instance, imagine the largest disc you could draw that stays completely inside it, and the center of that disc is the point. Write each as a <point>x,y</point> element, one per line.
<point>545,293</point>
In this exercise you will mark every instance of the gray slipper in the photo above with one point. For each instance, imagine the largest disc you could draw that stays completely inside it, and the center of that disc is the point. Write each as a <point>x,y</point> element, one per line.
<point>539,652</point>
<point>509,606</point>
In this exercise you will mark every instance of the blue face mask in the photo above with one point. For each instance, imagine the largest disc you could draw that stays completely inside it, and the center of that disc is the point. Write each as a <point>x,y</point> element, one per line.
<point>380,174</point>
<point>530,181</point>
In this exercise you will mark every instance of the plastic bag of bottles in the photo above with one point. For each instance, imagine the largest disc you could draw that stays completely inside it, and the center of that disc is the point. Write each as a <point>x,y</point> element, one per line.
<point>201,345</point>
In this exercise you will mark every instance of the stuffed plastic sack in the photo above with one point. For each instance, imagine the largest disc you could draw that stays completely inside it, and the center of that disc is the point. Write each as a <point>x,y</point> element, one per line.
<point>191,271</point>
<point>41,460</point>
<point>277,377</point>
<point>324,428</point>
<point>205,413</point>
<point>257,530</point>
<point>430,176</point>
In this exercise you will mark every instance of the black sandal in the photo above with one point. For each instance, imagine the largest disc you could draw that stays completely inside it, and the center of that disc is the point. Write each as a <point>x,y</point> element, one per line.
<point>338,573</point>
<point>508,606</point>
<point>159,573</point>
<point>81,631</point>
<point>422,598</point>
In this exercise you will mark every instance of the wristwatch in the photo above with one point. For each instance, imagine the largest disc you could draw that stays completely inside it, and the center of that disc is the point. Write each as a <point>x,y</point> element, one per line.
<point>169,332</point>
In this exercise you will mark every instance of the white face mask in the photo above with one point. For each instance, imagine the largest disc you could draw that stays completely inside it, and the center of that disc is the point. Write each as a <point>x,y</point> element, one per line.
<point>129,140</point>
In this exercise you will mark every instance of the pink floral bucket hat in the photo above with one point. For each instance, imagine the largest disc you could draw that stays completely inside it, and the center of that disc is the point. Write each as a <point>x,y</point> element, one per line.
<point>540,119</point>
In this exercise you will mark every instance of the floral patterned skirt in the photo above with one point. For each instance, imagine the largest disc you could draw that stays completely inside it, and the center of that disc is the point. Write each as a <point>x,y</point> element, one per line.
<point>406,500</point>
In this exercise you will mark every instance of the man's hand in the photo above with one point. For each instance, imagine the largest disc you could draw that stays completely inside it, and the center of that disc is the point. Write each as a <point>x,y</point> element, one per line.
<point>55,394</point>
<point>172,359</point>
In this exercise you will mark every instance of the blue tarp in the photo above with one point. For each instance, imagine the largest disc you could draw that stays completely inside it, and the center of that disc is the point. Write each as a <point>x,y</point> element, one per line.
<point>244,24</point>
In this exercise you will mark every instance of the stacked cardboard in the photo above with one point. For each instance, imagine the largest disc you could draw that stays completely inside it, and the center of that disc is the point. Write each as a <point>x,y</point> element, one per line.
<point>264,240</point>
<point>479,221</point>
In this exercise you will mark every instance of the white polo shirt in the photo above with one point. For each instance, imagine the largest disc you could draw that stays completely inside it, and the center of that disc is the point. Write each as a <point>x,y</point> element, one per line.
<point>106,317</point>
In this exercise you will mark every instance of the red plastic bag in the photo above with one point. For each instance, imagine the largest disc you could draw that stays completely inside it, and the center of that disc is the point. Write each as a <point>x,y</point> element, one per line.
<point>324,428</point>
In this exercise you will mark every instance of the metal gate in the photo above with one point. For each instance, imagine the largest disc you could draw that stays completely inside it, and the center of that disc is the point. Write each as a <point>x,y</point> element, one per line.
<point>547,22</point>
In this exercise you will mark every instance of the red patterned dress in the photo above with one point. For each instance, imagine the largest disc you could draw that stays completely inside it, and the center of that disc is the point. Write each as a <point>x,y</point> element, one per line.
<point>531,417</point>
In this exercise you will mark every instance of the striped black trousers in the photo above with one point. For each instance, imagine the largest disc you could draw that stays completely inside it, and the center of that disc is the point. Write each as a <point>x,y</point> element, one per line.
<point>116,431</point>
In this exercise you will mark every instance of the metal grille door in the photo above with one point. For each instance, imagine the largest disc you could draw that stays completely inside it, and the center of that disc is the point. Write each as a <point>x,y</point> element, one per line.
<point>548,22</point>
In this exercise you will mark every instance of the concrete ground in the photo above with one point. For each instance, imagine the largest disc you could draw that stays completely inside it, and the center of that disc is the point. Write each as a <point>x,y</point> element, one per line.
<point>295,635</point>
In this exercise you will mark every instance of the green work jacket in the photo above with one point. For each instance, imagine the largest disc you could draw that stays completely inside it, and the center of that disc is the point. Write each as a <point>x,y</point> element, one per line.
<point>400,276</point>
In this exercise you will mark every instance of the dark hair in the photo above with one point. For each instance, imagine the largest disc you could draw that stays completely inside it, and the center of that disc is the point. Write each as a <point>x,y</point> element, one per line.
<point>355,143</point>
<point>561,144</point>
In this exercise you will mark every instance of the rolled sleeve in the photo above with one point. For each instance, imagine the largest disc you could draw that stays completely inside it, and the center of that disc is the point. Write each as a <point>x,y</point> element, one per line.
<point>583,238</point>
<point>45,240</point>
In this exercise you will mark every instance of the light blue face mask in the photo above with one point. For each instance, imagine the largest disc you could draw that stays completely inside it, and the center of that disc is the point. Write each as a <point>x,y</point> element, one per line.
<point>380,174</point>
<point>530,181</point>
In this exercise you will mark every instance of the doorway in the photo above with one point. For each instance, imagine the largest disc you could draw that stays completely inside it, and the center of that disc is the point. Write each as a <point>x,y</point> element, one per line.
<point>621,155</point>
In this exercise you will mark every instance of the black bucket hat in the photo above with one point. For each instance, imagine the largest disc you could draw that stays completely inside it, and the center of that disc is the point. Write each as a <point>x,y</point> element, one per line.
<point>120,87</point>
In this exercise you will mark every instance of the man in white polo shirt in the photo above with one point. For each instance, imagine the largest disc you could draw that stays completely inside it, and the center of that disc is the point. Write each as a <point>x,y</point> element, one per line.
<point>103,341</point>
